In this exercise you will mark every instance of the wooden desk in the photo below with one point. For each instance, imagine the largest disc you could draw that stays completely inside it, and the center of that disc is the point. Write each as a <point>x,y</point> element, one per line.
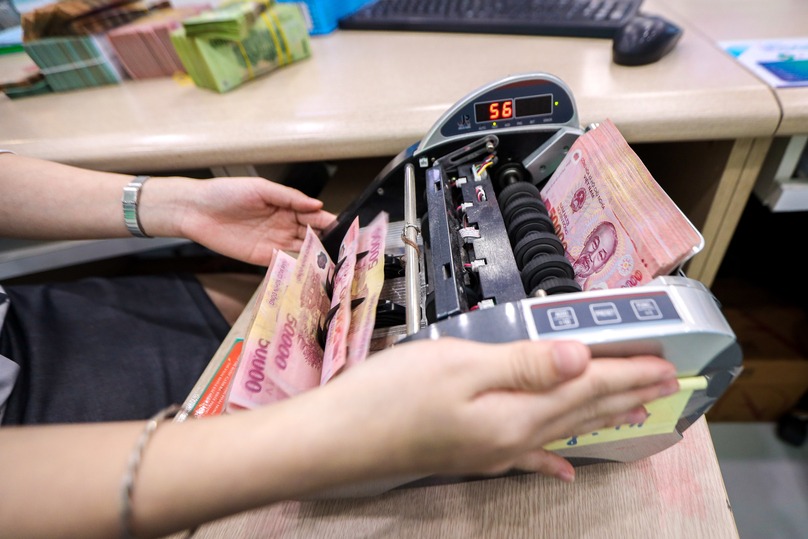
<point>728,20</point>
<point>366,94</point>
<point>731,20</point>
<point>674,494</point>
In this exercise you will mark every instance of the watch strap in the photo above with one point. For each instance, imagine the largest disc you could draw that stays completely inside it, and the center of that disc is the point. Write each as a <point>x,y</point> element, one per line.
<point>131,197</point>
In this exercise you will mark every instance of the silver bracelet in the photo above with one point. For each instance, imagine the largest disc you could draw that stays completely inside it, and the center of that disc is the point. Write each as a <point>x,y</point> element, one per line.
<point>131,197</point>
<point>128,484</point>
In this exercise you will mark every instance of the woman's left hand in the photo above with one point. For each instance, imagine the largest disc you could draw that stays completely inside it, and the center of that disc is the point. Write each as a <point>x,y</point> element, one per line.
<point>248,217</point>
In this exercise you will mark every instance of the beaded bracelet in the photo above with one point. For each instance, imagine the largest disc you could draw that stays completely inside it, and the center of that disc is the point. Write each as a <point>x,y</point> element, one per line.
<point>128,484</point>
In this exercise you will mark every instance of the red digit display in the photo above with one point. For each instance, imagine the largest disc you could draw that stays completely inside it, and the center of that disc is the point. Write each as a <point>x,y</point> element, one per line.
<point>494,110</point>
<point>507,109</point>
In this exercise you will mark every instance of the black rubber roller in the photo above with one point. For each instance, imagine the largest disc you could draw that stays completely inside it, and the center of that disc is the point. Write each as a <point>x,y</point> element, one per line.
<point>519,205</point>
<point>534,244</point>
<point>516,190</point>
<point>529,221</point>
<point>556,285</point>
<point>543,267</point>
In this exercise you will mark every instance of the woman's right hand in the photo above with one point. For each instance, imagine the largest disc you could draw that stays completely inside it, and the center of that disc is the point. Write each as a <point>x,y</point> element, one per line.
<point>454,406</point>
<point>443,407</point>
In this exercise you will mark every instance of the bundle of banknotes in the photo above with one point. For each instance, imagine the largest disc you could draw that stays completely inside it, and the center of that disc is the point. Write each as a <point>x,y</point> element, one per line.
<point>237,42</point>
<point>28,85</point>
<point>73,62</point>
<point>314,317</point>
<point>84,17</point>
<point>67,39</point>
<point>618,226</point>
<point>144,46</point>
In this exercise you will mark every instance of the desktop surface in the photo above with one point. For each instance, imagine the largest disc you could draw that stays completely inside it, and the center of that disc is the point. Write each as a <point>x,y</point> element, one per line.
<point>373,94</point>
<point>676,493</point>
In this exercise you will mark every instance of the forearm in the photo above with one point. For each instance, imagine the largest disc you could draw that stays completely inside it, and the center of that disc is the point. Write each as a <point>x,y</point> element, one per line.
<point>45,200</point>
<point>251,459</point>
<point>191,472</point>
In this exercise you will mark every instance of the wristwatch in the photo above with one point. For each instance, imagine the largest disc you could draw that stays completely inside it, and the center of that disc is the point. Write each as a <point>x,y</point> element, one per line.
<point>131,196</point>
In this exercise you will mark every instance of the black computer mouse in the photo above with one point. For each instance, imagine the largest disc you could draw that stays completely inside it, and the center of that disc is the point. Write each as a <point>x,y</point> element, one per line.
<point>644,39</point>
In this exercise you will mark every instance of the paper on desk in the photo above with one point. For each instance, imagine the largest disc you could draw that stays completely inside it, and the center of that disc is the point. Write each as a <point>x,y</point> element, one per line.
<point>663,414</point>
<point>781,63</point>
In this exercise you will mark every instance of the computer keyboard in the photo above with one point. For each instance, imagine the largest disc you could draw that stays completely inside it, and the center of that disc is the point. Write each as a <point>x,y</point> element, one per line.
<point>573,18</point>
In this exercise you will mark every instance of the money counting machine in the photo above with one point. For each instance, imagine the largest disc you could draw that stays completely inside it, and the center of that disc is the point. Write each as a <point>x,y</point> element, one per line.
<point>480,260</point>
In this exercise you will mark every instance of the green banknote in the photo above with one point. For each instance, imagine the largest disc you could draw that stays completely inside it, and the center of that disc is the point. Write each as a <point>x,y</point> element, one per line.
<point>279,36</point>
<point>232,21</point>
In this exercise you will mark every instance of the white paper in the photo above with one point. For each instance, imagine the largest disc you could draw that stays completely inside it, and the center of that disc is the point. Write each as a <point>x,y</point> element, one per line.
<point>781,63</point>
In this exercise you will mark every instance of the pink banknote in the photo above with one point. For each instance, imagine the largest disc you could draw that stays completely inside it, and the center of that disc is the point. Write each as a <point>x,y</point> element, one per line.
<point>295,358</point>
<point>252,385</point>
<point>367,286</point>
<point>336,328</point>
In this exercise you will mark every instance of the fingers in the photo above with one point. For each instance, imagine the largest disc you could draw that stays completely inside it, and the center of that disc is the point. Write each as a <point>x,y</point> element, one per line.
<point>546,463</point>
<point>318,220</point>
<point>533,365</point>
<point>283,196</point>
<point>610,402</point>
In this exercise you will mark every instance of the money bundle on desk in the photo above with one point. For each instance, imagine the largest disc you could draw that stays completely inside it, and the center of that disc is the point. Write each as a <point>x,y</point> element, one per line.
<point>144,46</point>
<point>314,317</point>
<point>618,226</point>
<point>67,39</point>
<point>28,85</point>
<point>226,47</point>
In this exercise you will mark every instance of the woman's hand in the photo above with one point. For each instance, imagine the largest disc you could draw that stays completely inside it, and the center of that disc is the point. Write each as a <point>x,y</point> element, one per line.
<point>242,217</point>
<point>453,406</point>
<point>246,218</point>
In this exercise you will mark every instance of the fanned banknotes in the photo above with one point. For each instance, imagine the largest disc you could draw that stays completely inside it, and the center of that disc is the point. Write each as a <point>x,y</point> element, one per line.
<point>618,226</point>
<point>308,326</point>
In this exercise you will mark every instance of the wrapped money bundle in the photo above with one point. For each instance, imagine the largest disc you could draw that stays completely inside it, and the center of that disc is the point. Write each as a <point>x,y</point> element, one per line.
<point>84,17</point>
<point>70,63</point>
<point>618,226</point>
<point>144,46</point>
<point>34,84</point>
<point>67,39</point>
<point>224,48</point>
<point>314,318</point>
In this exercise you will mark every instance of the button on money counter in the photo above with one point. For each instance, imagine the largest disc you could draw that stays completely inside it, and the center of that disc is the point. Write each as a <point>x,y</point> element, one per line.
<point>509,221</point>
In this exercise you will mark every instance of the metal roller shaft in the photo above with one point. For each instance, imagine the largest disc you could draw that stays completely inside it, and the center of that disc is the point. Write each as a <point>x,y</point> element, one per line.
<point>411,273</point>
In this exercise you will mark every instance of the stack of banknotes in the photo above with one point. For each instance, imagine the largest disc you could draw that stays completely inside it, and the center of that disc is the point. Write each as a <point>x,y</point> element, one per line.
<point>70,63</point>
<point>84,17</point>
<point>618,226</point>
<point>237,42</point>
<point>314,318</point>
<point>67,39</point>
<point>144,46</point>
<point>28,85</point>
